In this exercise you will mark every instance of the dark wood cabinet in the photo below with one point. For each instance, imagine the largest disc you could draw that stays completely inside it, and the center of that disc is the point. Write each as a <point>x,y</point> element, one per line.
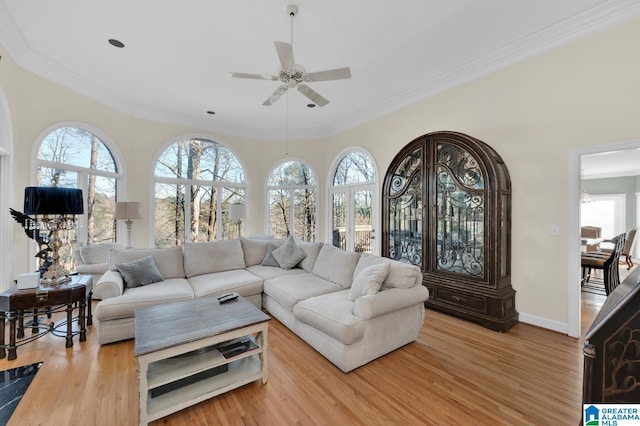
<point>446,207</point>
<point>612,347</point>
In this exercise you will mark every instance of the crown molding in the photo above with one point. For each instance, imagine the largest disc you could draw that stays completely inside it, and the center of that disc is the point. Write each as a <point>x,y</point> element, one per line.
<point>598,18</point>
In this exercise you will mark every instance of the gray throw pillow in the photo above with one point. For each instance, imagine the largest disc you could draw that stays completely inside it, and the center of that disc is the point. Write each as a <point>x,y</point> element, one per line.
<point>140,272</point>
<point>288,254</point>
<point>269,260</point>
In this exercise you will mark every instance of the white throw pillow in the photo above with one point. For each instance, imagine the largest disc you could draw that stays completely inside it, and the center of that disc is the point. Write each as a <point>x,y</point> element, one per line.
<point>369,280</point>
<point>288,254</point>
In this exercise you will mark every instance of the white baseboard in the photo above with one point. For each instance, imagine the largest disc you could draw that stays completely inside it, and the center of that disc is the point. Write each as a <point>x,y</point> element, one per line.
<point>544,322</point>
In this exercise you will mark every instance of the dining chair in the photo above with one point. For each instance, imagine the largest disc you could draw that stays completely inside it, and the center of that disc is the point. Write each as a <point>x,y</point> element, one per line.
<point>607,262</point>
<point>628,246</point>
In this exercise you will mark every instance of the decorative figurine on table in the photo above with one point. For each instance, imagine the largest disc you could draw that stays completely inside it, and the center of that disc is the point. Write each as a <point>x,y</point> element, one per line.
<point>40,236</point>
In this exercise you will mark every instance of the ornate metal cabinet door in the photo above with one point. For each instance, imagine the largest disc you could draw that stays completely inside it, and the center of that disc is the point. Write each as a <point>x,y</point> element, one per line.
<point>447,209</point>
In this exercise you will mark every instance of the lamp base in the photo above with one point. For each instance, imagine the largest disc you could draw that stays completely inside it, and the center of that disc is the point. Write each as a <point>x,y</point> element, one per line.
<point>56,274</point>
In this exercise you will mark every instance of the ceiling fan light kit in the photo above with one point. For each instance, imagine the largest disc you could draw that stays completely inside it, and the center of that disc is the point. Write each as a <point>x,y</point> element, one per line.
<point>293,75</point>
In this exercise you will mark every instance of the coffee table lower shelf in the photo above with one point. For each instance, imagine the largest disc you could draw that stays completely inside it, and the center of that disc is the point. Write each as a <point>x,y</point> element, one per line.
<point>241,372</point>
<point>181,376</point>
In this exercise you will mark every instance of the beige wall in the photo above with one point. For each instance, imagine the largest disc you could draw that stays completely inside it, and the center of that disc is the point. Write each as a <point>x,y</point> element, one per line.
<point>533,113</point>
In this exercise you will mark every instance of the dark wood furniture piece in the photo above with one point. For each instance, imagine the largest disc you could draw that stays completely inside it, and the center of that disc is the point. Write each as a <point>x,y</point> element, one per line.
<point>611,359</point>
<point>181,361</point>
<point>446,207</point>
<point>16,305</point>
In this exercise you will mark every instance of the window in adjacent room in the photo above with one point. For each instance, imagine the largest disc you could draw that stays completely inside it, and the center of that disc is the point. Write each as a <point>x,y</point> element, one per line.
<point>75,157</point>
<point>353,198</point>
<point>292,197</point>
<point>606,211</point>
<point>196,179</point>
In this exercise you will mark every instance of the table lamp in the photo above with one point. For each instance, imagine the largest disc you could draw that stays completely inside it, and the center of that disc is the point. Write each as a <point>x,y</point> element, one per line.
<point>55,210</point>
<point>127,211</point>
<point>238,212</point>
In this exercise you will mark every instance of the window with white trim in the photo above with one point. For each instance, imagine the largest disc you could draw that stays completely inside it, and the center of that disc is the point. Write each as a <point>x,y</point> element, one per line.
<point>606,211</point>
<point>75,157</point>
<point>196,179</point>
<point>352,202</point>
<point>292,199</point>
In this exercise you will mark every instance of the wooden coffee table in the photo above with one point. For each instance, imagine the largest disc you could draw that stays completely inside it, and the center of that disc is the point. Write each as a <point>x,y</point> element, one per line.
<point>191,351</point>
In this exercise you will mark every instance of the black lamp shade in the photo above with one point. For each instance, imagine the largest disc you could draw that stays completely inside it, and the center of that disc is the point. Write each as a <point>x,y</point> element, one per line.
<point>52,200</point>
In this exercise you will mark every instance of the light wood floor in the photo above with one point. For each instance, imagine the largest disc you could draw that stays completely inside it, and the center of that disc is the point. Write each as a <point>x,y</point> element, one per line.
<point>456,373</point>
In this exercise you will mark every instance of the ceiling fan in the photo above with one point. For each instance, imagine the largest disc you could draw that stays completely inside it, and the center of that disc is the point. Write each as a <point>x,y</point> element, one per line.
<point>294,75</point>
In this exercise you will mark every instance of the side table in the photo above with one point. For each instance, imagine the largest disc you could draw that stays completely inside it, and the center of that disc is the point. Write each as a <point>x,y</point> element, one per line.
<point>14,303</point>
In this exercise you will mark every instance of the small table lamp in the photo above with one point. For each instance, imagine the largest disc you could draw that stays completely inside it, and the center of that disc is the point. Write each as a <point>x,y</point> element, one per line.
<point>127,211</point>
<point>238,212</point>
<point>55,210</point>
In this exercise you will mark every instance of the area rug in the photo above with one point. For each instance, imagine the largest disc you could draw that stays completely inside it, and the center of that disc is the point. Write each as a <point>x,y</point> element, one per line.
<point>13,384</point>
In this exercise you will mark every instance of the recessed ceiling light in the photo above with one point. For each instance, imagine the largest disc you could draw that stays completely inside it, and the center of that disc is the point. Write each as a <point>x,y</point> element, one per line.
<point>116,43</point>
<point>311,105</point>
<point>211,112</point>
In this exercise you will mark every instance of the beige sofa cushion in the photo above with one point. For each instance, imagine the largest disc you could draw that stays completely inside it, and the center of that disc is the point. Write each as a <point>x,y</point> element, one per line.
<point>336,265</point>
<point>240,281</point>
<point>213,256</point>
<point>97,253</point>
<point>254,250</point>
<point>169,290</point>
<point>291,289</point>
<point>312,250</point>
<point>333,315</point>
<point>268,272</point>
<point>401,275</point>
<point>168,260</point>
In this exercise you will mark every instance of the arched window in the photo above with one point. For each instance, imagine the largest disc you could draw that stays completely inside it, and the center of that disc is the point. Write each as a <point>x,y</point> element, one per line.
<point>293,190</point>
<point>196,180</point>
<point>353,197</point>
<point>75,157</point>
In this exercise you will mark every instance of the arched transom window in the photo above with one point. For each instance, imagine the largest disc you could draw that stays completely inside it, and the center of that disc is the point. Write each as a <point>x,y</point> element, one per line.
<point>196,180</point>
<point>292,197</point>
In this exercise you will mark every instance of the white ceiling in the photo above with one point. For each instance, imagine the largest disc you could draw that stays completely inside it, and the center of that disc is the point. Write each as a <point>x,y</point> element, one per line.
<point>178,54</point>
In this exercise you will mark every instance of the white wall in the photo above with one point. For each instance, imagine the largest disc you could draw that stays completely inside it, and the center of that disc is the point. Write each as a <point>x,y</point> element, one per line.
<point>534,114</point>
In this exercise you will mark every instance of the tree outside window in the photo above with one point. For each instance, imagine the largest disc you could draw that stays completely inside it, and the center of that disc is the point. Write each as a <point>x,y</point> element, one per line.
<point>352,203</point>
<point>292,196</point>
<point>196,181</point>
<point>77,158</point>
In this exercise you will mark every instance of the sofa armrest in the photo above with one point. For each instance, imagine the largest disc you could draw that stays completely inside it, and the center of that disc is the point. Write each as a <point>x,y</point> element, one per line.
<point>390,300</point>
<point>110,284</point>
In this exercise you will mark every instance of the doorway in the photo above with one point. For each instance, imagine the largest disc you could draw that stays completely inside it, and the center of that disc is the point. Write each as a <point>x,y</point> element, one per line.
<point>353,219</point>
<point>576,159</point>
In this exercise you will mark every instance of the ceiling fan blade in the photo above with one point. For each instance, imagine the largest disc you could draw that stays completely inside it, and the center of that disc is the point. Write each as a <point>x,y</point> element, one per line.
<point>285,53</point>
<point>254,76</point>
<point>275,95</point>
<point>312,94</point>
<point>335,74</point>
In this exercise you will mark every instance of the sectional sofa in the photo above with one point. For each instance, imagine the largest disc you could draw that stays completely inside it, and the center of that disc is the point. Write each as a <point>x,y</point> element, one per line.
<point>350,307</point>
